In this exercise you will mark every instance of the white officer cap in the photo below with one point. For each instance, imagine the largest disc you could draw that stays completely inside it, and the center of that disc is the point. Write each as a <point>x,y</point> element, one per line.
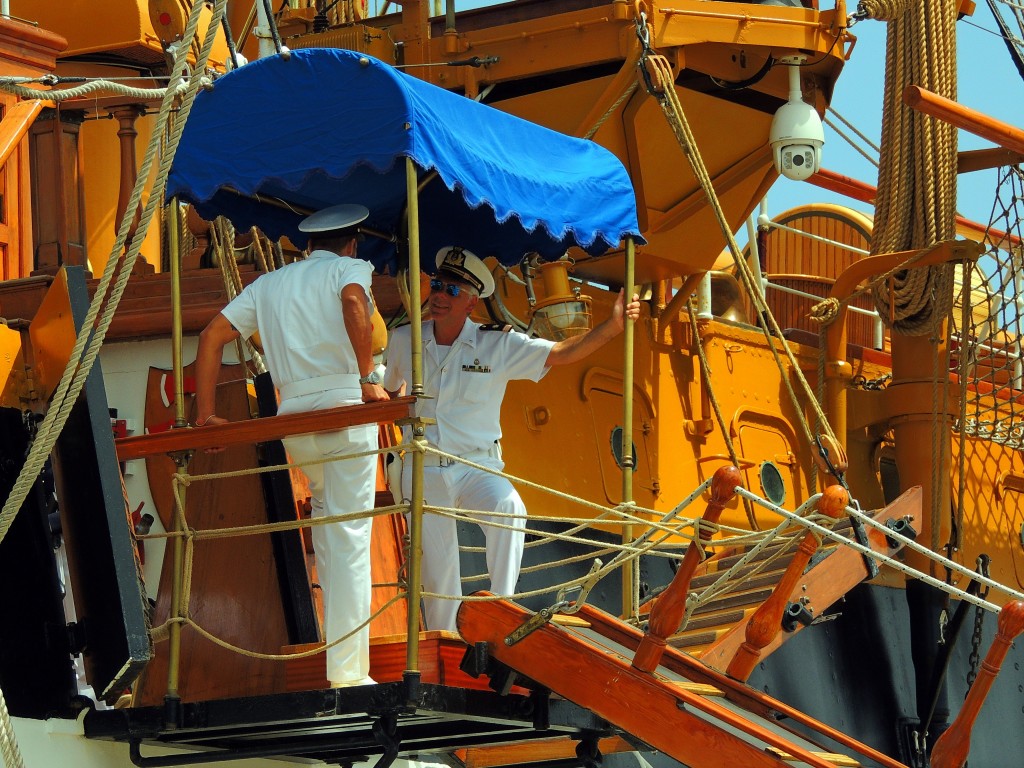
<point>467,267</point>
<point>337,217</point>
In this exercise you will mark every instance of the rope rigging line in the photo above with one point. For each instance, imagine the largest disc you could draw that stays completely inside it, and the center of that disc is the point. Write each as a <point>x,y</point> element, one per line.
<point>177,87</point>
<point>706,377</point>
<point>115,274</point>
<point>916,203</point>
<point>894,562</point>
<point>222,238</point>
<point>113,282</point>
<point>665,92</point>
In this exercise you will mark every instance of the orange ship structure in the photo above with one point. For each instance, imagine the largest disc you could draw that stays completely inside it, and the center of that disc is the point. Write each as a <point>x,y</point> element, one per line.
<point>767,528</point>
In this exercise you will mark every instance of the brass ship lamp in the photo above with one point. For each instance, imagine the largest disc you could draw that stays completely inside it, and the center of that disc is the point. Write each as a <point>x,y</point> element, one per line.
<point>563,312</point>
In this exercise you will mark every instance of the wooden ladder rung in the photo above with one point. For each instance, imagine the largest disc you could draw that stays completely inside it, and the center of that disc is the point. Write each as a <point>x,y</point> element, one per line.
<point>830,757</point>
<point>701,689</point>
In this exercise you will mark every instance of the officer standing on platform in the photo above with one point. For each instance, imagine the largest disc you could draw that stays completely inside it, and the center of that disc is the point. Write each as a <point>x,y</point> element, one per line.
<point>314,319</point>
<point>466,367</point>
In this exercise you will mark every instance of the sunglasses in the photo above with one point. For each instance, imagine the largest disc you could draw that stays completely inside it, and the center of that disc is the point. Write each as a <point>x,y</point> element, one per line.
<point>451,289</point>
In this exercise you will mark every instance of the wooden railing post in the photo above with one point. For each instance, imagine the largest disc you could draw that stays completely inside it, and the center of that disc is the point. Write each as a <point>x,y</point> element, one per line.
<point>766,622</point>
<point>951,749</point>
<point>671,604</point>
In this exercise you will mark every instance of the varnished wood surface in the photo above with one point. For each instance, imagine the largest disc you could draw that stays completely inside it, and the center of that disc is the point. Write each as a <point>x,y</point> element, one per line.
<point>251,431</point>
<point>651,709</point>
<point>765,624</point>
<point>829,580</point>
<point>749,698</point>
<point>561,748</point>
<point>667,613</point>
<point>235,593</point>
<point>440,654</point>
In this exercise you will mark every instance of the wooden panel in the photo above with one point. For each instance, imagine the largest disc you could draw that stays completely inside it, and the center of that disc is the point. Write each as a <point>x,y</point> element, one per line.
<point>742,694</point>
<point>648,707</point>
<point>234,590</point>
<point>440,654</point>
<point>793,311</point>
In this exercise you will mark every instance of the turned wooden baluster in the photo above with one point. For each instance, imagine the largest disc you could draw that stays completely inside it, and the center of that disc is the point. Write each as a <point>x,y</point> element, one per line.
<point>668,610</point>
<point>951,749</point>
<point>766,622</point>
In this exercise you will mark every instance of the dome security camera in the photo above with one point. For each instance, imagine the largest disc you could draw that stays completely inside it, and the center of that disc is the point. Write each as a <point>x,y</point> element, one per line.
<point>796,135</point>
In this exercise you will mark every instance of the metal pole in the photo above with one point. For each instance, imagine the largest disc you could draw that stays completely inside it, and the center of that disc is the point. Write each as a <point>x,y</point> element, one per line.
<point>174,246</point>
<point>265,39</point>
<point>755,256</point>
<point>415,299</point>
<point>704,297</point>
<point>416,503</point>
<point>172,701</point>
<point>630,608</point>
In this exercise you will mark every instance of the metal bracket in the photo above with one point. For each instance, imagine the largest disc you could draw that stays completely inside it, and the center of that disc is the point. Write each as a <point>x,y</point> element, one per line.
<point>797,613</point>
<point>588,751</point>
<point>861,536</point>
<point>562,605</point>
<point>903,527</point>
<point>385,733</point>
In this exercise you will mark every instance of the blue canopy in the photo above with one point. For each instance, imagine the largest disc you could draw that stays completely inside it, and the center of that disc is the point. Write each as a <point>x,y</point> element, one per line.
<point>328,126</point>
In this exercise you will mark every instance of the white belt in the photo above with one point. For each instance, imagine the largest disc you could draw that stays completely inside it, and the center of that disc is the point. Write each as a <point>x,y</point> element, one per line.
<point>476,456</point>
<point>343,381</point>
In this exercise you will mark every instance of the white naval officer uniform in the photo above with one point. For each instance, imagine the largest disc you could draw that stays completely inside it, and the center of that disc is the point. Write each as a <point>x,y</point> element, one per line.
<point>464,386</point>
<point>298,312</point>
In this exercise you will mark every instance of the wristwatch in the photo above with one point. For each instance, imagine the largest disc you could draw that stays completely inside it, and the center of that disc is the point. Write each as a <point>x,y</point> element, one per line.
<point>373,377</point>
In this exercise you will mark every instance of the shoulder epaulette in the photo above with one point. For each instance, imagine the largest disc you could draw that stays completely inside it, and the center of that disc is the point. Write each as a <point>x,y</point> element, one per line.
<point>496,327</point>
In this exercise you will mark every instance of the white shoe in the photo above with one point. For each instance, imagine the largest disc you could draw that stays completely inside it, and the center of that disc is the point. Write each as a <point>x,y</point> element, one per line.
<point>353,683</point>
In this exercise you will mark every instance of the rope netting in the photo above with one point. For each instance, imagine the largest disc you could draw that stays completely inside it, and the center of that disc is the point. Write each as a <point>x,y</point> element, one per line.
<point>988,334</point>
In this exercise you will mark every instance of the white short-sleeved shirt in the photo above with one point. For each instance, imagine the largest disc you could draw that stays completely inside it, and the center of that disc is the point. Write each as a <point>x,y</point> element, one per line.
<point>464,395</point>
<point>297,310</point>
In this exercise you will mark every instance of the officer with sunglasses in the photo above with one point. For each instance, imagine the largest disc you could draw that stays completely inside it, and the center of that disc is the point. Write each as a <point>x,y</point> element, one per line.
<point>466,367</point>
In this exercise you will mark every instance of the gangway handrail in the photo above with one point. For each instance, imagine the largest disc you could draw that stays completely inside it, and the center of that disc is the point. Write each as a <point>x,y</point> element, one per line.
<point>261,430</point>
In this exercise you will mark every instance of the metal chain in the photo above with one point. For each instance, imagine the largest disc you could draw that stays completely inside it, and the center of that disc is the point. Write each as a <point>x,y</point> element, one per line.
<point>979,620</point>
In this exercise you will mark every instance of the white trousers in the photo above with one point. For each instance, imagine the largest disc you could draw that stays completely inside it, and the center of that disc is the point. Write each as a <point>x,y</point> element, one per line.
<point>463,487</point>
<point>342,549</point>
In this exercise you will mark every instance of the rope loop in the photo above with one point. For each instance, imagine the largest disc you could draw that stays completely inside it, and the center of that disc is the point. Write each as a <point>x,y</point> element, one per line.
<point>825,311</point>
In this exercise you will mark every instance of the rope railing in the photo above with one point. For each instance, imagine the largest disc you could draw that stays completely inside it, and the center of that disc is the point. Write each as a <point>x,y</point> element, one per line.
<point>669,529</point>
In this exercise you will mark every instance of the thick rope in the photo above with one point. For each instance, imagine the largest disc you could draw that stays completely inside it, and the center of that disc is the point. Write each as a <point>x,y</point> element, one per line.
<point>222,238</point>
<point>93,86</point>
<point>884,10</point>
<point>611,110</point>
<point>117,271</point>
<point>9,749</point>
<point>827,310</point>
<point>916,202</point>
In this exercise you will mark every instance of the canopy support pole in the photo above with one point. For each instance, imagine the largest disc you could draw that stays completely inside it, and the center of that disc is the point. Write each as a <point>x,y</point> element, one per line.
<point>630,573</point>
<point>174,246</point>
<point>416,503</point>
<point>172,701</point>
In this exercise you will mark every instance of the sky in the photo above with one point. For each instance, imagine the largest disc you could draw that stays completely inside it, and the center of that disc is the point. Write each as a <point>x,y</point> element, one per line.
<point>987,82</point>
